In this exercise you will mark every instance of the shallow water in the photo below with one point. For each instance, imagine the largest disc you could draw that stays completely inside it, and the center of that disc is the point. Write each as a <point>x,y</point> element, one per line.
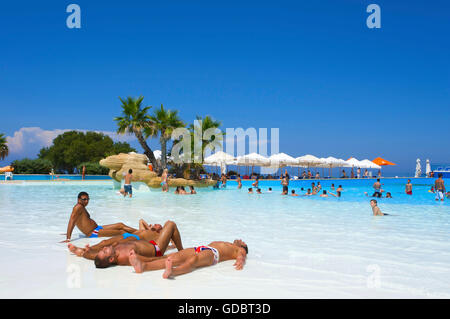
<point>299,247</point>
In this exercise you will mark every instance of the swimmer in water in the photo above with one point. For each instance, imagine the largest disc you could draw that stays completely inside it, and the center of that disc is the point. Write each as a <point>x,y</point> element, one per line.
<point>293,193</point>
<point>250,190</point>
<point>375,209</point>
<point>258,191</point>
<point>324,194</point>
<point>270,190</point>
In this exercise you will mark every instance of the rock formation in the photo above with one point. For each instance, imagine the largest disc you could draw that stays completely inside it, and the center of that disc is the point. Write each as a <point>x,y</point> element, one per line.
<point>120,164</point>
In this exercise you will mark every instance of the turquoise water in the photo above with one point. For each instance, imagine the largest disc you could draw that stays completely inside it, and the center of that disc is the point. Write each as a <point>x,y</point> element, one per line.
<point>299,247</point>
<point>47,177</point>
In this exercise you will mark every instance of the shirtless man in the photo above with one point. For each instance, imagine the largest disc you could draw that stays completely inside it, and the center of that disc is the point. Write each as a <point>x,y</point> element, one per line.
<point>255,184</point>
<point>224,181</point>
<point>149,241</point>
<point>164,177</point>
<point>293,193</point>
<point>127,185</point>
<point>187,260</point>
<point>81,218</point>
<point>408,188</point>
<point>377,188</point>
<point>324,194</point>
<point>439,188</point>
<point>375,209</point>
<point>239,181</point>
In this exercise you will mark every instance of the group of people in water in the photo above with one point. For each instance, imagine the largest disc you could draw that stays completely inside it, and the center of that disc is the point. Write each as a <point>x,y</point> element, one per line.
<point>144,248</point>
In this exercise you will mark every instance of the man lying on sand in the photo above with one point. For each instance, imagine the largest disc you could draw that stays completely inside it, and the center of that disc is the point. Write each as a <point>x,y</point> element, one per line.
<point>151,242</point>
<point>81,218</point>
<point>187,260</point>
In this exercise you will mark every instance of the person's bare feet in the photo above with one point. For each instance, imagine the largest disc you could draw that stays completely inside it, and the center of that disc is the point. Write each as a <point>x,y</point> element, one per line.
<point>77,251</point>
<point>135,262</point>
<point>168,270</point>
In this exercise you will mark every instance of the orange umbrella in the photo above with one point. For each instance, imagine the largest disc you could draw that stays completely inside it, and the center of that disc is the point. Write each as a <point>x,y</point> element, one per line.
<point>382,162</point>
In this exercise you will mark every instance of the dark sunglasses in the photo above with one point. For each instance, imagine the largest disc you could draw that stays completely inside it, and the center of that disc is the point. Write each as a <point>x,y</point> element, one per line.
<point>84,198</point>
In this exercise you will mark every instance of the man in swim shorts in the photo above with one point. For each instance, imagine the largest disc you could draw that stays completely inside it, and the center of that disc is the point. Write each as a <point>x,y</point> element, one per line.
<point>81,218</point>
<point>187,260</point>
<point>408,187</point>
<point>377,188</point>
<point>439,188</point>
<point>127,185</point>
<point>149,241</point>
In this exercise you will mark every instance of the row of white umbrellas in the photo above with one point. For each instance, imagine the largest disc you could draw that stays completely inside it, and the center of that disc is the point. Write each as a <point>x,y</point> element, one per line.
<point>281,160</point>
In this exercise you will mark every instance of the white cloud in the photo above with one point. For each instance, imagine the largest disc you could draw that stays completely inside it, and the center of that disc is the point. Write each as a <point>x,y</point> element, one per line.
<point>27,141</point>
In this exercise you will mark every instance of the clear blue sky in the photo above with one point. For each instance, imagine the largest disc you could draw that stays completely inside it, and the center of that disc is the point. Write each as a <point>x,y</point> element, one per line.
<point>311,68</point>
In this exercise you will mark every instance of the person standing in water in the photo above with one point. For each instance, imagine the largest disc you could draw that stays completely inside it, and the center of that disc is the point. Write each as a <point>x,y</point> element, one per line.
<point>127,185</point>
<point>439,188</point>
<point>377,188</point>
<point>164,177</point>
<point>408,187</point>
<point>239,181</point>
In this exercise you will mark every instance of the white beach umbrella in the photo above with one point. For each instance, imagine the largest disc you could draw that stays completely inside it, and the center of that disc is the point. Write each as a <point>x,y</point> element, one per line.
<point>331,162</point>
<point>369,164</point>
<point>428,168</point>
<point>253,159</point>
<point>281,160</point>
<point>308,161</point>
<point>418,168</point>
<point>353,162</point>
<point>219,158</point>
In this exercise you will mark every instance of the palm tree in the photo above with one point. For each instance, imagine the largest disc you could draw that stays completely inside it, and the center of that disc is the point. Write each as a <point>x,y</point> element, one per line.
<point>164,122</point>
<point>215,141</point>
<point>4,150</point>
<point>135,120</point>
<point>212,142</point>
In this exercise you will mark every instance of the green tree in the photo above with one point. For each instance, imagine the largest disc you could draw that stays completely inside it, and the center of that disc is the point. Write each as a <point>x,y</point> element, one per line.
<point>4,150</point>
<point>203,125</point>
<point>32,166</point>
<point>135,120</point>
<point>164,122</point>
<point>72,148</point>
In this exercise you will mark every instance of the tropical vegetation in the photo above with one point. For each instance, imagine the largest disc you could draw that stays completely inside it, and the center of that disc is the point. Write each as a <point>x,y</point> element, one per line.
<point>135,120</point>
<point>32,166</point>
<point>4,150</point>
<point>72,148</point>
<point>162,123</point>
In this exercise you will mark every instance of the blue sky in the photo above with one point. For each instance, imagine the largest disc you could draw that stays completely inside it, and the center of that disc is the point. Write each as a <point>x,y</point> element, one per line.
<point>311,68</point>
